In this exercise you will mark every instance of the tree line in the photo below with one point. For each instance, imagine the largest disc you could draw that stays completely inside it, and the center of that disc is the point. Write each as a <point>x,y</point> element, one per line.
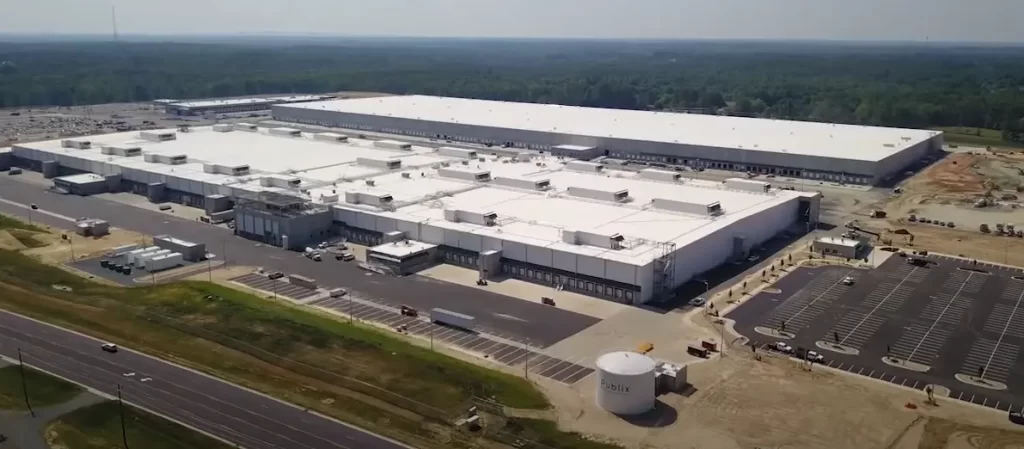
<point>912,86</point>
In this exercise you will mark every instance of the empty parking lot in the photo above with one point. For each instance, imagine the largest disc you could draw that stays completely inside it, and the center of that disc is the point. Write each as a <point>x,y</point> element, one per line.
<point>949,318</point>
<point>519,354</point>
<point>279,287</point>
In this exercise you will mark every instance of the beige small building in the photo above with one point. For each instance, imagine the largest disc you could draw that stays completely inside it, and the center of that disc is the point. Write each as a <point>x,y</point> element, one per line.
<point>837,246</point>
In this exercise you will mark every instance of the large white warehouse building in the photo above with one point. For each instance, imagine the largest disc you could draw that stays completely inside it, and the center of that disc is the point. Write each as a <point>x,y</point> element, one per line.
<point>821,151</point>
<point>623,236</point>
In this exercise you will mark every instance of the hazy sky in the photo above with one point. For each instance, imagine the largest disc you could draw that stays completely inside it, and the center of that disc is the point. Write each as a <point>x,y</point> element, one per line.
<point>938,20</point>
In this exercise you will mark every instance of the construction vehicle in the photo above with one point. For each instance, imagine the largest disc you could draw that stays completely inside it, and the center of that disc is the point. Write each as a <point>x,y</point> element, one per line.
<point>878,214</point>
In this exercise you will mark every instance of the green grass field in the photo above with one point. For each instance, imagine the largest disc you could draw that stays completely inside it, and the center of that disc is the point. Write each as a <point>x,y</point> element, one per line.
<point>7,223</point>
<point>99,427</point>
<point>354,373</point>
<point>27,238</point>
<point>976,136</point>
<point>43,389</point>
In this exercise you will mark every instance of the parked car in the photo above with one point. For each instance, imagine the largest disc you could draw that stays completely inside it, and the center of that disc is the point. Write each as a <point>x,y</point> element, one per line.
<point>346,256</point>
<point>698,301</point>
<point>275,275</point>
<point>848,280</point>
<point>782,347</point>
<point>109,347</point>
<point>409,311</point>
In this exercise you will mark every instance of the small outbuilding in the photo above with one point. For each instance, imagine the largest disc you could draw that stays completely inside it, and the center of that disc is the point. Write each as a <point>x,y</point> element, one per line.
<point>837,246</point>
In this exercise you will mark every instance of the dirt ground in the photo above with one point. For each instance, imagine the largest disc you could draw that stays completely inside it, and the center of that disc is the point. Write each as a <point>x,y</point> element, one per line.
<point>738,402</point>
<point>60,250</point>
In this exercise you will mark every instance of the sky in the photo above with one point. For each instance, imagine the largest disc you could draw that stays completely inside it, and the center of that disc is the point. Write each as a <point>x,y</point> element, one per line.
<point>857,20</point>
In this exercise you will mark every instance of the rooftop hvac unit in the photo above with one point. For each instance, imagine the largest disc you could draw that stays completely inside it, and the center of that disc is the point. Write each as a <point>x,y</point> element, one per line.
<point>285,182</point>
<point>465,175</point>
<point>582,166</point>
<point>373,199</point>
<point>523,183</point>
<point>330,137</point>
<point>169,159</point>
<point>245,127</point>
<point>78,144</point>
<point>158,136</point>
<point>371,182</point>
<point>709,208</point>
<point>747,185</point>
<point>600,240</point>
<point>660,175</point>
<point>230,170</point>
<point>615,196</point>
<point>119,150</point>
<point>406,175</point>
<point>392,145</point>
<point>385,163</point>
<point>223,127</point>
<point>329,198</point>
<point>457,152</point>
<point>467,216</point>
<point>289,132</point>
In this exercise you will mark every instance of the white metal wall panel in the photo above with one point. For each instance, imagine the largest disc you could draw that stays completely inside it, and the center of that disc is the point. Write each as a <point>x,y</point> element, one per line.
<point>344,215</point>
<point>366,221</point>
<point>386,224</point>
<point>514,251</point>
<point>645,279</point>
<point>491,244</point>
<point>563,260</point>
<point>248,224</point>
<point>411,229</point>
<point>258,225</point>
<point>470,242</point>
<point>590,266</point>
<point>618,271</point>
<point>539,256</point>
<point>275,227</point>
<point>451,238</point>
<point>431,234</point>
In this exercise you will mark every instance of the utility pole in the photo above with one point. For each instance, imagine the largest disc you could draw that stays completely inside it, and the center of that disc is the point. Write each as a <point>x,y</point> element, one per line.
<point>24,386</point>
<point>120,406</point>
<point>209,268</point>
<point>351,309</point>
<point>431,336</point>
<point>526,366</point>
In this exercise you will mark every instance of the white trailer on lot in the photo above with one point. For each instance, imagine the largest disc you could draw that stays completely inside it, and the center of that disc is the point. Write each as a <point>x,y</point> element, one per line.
<point>455,319</point>
<point>164,262</point>
<point>129,257</point>
<point>142,259</point>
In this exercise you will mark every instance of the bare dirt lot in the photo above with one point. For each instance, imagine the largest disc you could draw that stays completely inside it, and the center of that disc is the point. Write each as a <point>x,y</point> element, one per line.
<point>775,403</point>
<point>948,191</point>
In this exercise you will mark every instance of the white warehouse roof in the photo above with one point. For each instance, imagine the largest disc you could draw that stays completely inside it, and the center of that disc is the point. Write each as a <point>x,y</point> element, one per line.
<point>776,136</point>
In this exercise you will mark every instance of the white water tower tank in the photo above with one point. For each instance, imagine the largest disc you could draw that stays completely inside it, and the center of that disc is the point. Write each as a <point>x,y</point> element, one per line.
<point>625,383</point>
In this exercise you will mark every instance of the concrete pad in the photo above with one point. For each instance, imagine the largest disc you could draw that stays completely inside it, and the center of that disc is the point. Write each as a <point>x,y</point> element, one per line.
<point>670,334</point>
<point>131,199</point>
<point>984,383</point>
<point>586,305</point>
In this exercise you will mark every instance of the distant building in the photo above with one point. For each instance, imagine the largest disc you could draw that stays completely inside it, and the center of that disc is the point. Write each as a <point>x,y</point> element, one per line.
<point>200,107</point>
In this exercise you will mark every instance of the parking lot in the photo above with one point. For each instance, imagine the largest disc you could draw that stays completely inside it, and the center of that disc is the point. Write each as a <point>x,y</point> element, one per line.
<point>279,287</point>
<point>950,319</point>
<point>508,352</point>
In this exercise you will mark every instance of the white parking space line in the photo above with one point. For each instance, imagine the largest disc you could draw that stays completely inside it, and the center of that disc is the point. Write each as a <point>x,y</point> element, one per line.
<point>996,357</point>
<point>965,283</point>
<point>807,303</point>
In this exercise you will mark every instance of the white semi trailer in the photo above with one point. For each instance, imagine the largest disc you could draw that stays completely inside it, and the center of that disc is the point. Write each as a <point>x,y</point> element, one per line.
<point>454,319</point>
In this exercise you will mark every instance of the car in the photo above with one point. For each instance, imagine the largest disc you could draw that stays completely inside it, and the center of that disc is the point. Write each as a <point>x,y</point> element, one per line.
<point>847,280</point>
<point>1016,418</point>
<point>409,311</point>
<point>753,258</point>
<point>698,301</point>
<point>917,261</point>
<point>322,245</point>
<point>782,347</point>
<point>109,347</point>
<point>346,256</point>
<point>275,275</point>
<point>814,357</point>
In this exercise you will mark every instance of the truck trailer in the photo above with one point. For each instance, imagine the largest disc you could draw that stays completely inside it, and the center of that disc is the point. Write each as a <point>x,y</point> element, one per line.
<point>453,319</point>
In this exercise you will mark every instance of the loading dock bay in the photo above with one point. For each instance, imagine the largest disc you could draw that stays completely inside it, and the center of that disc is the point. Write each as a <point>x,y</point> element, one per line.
<point>507,353</point>
<point>953,316</point>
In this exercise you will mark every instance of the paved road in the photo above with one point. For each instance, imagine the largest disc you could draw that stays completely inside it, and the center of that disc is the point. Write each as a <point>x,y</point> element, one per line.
<point>498,314</point>
<point>230,412</point>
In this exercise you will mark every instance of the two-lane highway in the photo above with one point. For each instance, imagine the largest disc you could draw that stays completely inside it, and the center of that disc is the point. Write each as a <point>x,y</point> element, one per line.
<point>516,318</point>
<point>230,412</point>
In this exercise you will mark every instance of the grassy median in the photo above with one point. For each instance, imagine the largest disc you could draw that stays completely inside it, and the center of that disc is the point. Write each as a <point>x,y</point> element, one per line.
<point>99,427</point>
<point>43,390</point>
<point>358,374</point>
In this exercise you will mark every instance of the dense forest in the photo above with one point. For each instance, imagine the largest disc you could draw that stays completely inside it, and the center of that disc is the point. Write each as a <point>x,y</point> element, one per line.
<point>910,86</point>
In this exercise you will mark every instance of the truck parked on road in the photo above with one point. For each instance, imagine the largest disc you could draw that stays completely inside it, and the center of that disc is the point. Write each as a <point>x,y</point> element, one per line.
<point>449,318</point>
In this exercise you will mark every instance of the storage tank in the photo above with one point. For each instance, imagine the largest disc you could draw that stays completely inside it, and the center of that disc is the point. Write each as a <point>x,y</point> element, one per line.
<point>625,383</point>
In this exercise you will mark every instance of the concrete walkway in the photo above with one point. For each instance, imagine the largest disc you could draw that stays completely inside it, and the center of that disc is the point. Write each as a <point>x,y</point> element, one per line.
<point>25,432</point>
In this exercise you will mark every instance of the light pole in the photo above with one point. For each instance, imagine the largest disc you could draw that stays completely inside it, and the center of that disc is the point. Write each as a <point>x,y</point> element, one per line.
<point>526,365</point>
<point>24,386</point>
<point>120,406</point>
<point>351,310</point>
<point>31,208</point>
